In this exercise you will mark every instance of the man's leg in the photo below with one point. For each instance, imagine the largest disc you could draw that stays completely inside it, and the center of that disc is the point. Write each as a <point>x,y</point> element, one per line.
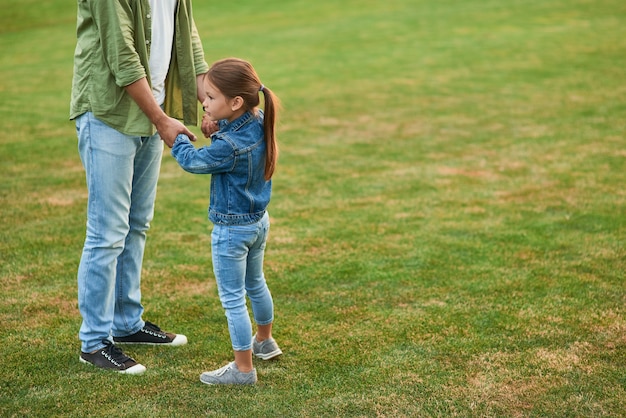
<point>128,307</point>
<point>108,158</point>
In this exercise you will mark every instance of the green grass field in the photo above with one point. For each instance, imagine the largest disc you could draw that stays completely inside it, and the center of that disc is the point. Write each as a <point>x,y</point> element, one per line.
<point>448,218</point>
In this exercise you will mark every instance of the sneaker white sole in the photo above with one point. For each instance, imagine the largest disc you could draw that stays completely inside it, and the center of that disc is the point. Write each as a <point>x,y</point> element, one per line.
<point>270,355</point>
<point>178,340</point>
<point>135,370</point>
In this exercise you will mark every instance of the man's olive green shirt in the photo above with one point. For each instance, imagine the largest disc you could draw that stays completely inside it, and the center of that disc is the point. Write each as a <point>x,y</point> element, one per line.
<point>112,51</point>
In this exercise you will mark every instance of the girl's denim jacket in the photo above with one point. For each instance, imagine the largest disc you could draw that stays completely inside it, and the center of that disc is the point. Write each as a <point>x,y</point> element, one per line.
<point>236,159</point>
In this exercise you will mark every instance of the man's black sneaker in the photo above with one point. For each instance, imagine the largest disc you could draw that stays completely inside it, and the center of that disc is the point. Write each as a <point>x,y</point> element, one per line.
<point>152,335</point>
<point>112,358</point>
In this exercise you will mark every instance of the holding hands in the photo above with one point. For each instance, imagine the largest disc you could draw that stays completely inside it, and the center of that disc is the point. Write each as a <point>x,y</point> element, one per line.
<point>169,128</point>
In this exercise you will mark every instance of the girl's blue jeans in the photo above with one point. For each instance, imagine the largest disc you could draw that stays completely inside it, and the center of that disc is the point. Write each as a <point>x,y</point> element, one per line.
<point>122,173</point>
<point>237,253</point>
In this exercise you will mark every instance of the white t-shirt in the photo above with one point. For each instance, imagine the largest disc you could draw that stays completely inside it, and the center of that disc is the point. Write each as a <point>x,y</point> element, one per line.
<point>162,12</point>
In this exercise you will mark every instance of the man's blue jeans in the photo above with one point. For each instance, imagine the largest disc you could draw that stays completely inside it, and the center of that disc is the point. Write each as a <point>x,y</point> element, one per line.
<point>237,253</point>
<point>122,173</point>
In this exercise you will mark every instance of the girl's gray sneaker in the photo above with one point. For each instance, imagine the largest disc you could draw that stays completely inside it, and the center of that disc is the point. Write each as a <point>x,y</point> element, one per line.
<point>229,375</point>
<point>266,349</point>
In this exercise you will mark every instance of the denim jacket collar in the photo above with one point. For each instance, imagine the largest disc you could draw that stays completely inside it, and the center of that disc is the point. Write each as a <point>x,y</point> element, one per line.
<point>235,125</point>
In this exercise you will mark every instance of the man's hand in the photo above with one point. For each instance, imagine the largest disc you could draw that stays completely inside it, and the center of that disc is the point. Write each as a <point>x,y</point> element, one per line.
<point>169,128</point>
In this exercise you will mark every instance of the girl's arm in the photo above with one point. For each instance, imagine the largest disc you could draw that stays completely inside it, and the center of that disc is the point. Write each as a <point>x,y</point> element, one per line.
<point>219,157</point>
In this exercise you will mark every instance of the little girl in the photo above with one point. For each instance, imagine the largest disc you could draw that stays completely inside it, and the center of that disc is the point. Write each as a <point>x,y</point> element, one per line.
<point>241,158</point>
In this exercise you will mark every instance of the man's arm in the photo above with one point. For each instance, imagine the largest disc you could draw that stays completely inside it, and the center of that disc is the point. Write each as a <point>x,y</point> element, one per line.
<point>200,87</point>
<point>167,127</point>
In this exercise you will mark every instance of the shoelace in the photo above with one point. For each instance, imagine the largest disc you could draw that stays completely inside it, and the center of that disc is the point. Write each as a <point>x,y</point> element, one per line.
<point>152,329</point>
<point>114,352</point>
<point>223,370</point>
<point>152,326</point>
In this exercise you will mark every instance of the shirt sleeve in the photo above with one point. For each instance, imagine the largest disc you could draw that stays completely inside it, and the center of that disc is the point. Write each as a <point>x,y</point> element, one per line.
<point>219,157</point>
<point>116,29</point>
<point>199,61</point>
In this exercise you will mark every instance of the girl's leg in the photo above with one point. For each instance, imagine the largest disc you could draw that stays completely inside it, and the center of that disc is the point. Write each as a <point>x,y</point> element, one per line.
<point>243,360</point>
<point>229,245</point>
<point>264,332</point>
<point>256,286</point>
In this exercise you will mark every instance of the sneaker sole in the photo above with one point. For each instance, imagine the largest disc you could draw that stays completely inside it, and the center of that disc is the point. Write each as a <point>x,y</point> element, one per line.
<point>269,356</point>
<point>177,341</point>
<point>226,384</point>
<point>135,370</point>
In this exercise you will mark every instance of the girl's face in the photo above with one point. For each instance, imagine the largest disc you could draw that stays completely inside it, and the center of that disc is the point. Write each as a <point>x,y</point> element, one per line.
<point>217,106</point>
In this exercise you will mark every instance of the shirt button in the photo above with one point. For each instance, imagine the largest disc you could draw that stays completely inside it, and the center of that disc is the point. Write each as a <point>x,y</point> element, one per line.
<point>148,42</point>
<point>149,16</point>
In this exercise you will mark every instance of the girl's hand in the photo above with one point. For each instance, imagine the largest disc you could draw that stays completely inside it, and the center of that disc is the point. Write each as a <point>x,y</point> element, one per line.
<point>208,126</point>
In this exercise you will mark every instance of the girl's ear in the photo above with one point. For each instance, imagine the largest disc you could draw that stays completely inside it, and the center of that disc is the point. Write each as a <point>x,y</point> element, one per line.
<point>237,103</point>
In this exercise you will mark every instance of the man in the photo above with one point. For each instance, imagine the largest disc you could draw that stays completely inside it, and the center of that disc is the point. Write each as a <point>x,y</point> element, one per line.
<point>138,68</point>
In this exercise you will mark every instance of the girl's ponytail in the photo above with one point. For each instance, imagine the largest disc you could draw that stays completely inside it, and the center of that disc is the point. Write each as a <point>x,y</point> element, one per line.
<point>269,126</point>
